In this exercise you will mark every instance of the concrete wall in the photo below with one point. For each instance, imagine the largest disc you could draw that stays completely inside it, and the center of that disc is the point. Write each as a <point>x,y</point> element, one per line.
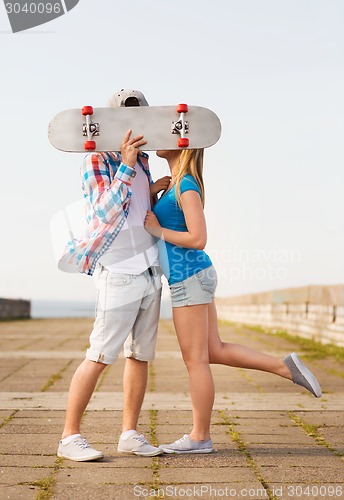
<point>315,312</point>
<point>14,309</point>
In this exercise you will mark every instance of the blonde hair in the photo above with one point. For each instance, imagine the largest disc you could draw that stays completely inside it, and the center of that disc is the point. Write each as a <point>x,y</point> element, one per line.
<point>190,162</point>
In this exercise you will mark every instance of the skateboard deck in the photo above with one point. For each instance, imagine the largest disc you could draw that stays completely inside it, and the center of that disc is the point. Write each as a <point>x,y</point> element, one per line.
<point>163,127</point>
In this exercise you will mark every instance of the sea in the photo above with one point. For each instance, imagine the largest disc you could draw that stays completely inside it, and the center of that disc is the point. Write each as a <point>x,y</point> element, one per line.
<point>78,309</point>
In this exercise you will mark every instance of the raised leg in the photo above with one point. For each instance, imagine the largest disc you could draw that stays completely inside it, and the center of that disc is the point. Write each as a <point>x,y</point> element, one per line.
<point>226,353</point>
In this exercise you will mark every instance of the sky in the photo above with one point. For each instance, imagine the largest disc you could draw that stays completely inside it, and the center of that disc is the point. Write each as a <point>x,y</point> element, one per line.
<point>273,72</point>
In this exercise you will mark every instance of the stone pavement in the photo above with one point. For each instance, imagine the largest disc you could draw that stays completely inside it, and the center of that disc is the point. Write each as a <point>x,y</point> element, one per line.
<point>272,439</point>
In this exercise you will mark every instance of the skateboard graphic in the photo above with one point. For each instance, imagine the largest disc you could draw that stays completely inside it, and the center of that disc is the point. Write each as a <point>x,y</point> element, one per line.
<point>163,127</point>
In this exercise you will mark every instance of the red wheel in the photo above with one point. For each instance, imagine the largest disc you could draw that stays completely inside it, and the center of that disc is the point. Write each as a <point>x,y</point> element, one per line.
<point>182,108</point>
<point>183,142</point>
<point>90,145</point>
<point>87,110</point>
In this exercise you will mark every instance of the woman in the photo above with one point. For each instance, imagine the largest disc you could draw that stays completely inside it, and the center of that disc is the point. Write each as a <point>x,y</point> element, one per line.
<point>178,219</point>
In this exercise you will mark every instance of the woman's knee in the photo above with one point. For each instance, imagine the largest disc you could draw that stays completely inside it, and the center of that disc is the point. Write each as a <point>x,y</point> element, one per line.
<point>215,352</point>
<point>193,363</point>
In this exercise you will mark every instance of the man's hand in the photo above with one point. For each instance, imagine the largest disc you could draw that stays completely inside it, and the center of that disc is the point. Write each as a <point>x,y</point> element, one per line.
<point>160,185</point>
<point>152,225</point>
<point>130,148</point>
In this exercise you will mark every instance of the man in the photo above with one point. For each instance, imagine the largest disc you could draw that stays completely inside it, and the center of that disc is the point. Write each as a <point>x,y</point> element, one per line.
<point>117,190</point>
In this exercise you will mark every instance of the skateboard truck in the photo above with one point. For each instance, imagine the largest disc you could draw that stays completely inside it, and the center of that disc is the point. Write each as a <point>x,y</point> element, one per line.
<point>90,129</point>
<point>181,126</point>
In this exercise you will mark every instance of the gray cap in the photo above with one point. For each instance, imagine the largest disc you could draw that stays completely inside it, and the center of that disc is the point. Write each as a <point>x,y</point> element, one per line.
<point>126,97</point>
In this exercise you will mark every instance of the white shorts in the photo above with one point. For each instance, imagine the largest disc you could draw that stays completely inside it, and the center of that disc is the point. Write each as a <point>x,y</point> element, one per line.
<point>127,314</point>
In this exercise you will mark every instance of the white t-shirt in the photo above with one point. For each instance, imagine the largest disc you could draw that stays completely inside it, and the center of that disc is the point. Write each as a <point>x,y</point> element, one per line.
<point>134,249</point>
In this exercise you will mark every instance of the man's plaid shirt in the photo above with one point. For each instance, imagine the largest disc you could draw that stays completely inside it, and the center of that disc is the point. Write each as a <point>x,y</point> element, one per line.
<point>106,184</point>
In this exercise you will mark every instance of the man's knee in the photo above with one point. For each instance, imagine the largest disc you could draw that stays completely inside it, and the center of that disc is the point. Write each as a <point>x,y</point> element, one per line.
<point>95,366</point>
<point>135,360</point>
<point>136,363</point>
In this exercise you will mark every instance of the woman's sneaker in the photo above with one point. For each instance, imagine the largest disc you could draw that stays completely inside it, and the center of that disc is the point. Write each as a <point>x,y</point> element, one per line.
<point>188,445</point>
<point>302,375</point>
<point>79,450</point>
<point>138,445</point>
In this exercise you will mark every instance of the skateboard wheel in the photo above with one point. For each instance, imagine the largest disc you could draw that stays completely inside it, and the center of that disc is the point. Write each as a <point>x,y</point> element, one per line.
<point>90,145</point>
<point>183,142</point>
<point>87,110</point>
<point>182,108</point>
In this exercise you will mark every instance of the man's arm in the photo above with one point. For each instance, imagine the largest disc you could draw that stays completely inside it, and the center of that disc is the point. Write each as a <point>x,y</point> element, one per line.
<point>108,198</point>
<point>157,186</point>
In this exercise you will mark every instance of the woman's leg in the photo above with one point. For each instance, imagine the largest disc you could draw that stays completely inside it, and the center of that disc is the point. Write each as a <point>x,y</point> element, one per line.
<point>191,324</point>
<point>225,353</point>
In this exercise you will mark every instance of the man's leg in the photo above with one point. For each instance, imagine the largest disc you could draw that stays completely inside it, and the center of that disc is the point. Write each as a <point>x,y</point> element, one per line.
<point>81,389</point>
<point>72,445</point>
<point>139,349</point>
<point>134,387</point>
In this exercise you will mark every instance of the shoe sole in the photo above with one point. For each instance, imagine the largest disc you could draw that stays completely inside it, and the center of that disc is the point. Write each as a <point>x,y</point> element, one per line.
<point>81,459</point>
<point>179,452</point>
<point>307,374</point>
<point>151,454</point>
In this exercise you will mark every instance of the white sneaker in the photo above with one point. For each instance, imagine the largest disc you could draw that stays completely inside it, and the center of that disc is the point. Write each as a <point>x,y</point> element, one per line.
<point>138,445</point>
<point>188,445</point>
<point>302,375</point>
<point>78,450</point>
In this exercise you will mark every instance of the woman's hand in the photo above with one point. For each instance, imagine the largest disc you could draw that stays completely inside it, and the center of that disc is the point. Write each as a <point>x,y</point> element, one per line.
<point>130,148</point>
<point>152,225</point>
<point>160,185</point>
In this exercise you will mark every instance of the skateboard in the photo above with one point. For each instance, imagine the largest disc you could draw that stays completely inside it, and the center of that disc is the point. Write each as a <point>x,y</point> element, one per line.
<point>163,127</point>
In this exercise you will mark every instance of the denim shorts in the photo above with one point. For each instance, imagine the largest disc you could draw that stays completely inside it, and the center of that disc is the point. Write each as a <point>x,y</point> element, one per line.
<point>197,289</point>
<point>127,315</point>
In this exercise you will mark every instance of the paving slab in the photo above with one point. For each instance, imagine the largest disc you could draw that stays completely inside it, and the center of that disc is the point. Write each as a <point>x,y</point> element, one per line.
<point>101,491</point>
<point>38,461</point>
<point>101,473</point>
<point>17,475</point>
<point>205,475</point>
<point>269,435</point>
<point>19,491</point>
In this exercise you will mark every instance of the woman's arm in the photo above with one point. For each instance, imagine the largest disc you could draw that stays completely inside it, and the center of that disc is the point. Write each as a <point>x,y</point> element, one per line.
<point>196,234</point>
